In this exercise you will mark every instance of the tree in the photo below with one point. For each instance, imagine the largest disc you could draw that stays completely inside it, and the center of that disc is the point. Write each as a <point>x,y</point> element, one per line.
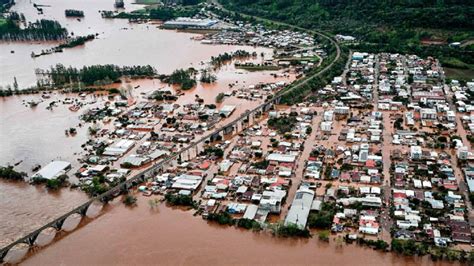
<point>290,230</point>
<point>220,97</point>
<point>129,200</point>
<point>323,218</point>
<point>10,174</point>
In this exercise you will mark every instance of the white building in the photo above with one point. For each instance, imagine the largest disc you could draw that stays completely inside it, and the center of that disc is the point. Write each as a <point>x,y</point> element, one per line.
<point>415,152</point>
<point>53,170</point>
<point>326,126</point>
<point>300,208</point>
<point>328,115</point>
<point>428,114</point>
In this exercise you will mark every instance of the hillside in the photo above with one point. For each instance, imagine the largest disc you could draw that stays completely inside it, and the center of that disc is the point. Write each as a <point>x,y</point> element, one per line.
<point>336,14</point>
<point>382,25</point>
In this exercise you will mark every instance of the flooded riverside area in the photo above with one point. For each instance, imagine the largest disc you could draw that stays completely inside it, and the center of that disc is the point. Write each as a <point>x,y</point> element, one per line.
<point>177,132</point>
<point>32,136</point>
<point>118,42</point>
<point>167,236</point>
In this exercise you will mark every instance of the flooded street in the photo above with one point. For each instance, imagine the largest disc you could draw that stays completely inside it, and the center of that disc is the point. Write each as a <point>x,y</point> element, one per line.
<point>164,236</point>
<point>35,136</point>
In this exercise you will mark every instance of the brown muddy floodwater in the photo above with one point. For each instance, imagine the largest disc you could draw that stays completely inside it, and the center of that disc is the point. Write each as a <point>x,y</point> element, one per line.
<point>119,42</point>
<point>142,236</point>
<point>31,136</point>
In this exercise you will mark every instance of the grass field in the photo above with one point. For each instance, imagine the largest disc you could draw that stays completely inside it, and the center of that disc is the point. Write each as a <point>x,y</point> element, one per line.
<point>459,74</point>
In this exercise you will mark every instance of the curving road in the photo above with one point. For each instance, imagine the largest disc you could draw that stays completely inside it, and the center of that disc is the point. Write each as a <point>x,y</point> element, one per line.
<point>323,34</point>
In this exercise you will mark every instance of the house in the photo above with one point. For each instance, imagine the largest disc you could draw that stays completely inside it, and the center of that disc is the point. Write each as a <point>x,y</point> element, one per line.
<point>281,158</point>
<point>428,114</point>
<point>326,126</point>
<point>451,116</point>
<point>368,225</point>
<point>271,200</point>
<point>53,170</point>
<point>328,115</point>
<point>300,208</point>
<point>415,152</point>
<point>227,110</point>
<point>460,231</point>
<point>188,182</point>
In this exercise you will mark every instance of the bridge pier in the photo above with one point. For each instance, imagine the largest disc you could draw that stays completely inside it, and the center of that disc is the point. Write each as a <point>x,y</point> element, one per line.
<point>277,100</point>
<point>266,107</point>
<point>59,223</point>
<point>84,209</point>
<point>32,238</point>
<point>228,130</point>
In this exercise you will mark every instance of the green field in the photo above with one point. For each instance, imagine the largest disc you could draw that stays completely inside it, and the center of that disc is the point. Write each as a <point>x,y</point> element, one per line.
<point>2,21</point>
<point>459,74</point>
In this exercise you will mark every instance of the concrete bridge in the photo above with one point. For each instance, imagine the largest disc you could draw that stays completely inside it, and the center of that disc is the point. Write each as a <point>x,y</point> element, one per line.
<point>191,151</point>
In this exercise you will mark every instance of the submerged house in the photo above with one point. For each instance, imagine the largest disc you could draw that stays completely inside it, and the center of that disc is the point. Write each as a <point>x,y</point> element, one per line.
<point>300,208</point>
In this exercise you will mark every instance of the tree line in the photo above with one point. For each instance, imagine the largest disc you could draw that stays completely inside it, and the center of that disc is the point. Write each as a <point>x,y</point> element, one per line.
<point>225,57</point>
<point>89,75</point>
<point>40,30</point>
<point>74,13</point>
<point>184,78</point>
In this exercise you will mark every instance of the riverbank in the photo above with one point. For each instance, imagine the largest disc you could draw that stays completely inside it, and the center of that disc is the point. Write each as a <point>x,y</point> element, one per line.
<point>170,237</point>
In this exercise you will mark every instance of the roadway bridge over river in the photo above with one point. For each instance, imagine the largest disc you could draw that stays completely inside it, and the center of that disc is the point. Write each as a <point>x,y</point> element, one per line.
<point>192,150</point>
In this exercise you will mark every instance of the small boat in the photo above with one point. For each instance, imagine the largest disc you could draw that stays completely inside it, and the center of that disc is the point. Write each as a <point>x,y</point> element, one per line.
<point>74,108</point>
<point>46,96</point>
<point>36,168</point>
<point>33,103</point>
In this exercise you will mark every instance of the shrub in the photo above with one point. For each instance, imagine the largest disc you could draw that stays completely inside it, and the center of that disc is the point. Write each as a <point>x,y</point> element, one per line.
<point>249,224</point>
<point>323,235</point>
<point>179,200</point>
<point>129,200</point>
<point>291,230</point>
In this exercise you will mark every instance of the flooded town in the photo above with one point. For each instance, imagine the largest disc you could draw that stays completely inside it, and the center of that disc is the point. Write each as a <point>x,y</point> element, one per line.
<point>159,132</point>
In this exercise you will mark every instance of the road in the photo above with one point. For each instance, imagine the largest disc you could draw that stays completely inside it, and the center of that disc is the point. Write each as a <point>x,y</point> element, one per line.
<point>313,32</point>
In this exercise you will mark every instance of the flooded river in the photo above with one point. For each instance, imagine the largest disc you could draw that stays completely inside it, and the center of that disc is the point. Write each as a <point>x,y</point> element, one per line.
<point>119,42</point>
<point>32,136</point>
<point>142,236</point>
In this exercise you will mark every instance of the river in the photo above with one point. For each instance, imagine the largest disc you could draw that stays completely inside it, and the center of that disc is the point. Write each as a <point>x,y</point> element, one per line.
<point>166,236</point>
<point>32,136</point>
